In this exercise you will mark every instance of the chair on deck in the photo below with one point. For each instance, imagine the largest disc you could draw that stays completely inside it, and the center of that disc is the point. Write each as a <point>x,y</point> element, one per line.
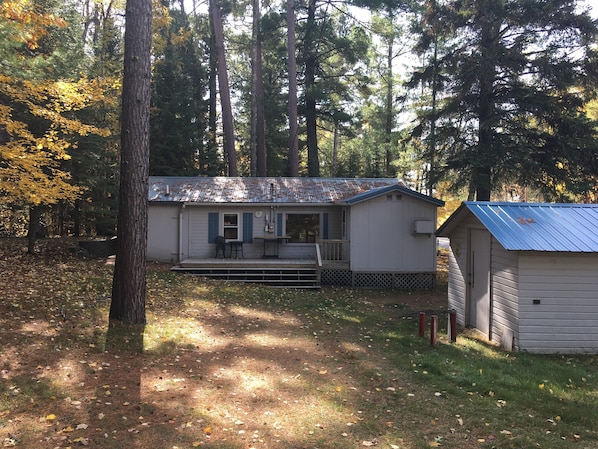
<point>220,246</point>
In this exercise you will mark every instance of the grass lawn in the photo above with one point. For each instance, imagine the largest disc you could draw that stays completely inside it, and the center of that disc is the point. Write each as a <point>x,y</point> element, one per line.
<point>235,366</point>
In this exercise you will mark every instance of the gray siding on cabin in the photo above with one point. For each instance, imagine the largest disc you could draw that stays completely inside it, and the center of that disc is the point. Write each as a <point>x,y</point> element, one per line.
<point>200,247</point>
<point>163,233</point>
<point>382,238</point>
<point>504,290</point>
<point>566,319</point>
<point>197,232</point>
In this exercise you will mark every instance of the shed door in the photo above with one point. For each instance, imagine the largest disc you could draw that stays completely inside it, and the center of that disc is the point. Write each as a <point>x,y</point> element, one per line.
<point>479,284</point>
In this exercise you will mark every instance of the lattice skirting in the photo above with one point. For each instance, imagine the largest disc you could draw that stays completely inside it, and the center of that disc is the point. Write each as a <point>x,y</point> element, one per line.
<point>401,281</point>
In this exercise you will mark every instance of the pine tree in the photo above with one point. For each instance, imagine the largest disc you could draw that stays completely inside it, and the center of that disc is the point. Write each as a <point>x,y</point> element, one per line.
<point>129,281</point>
<point>515,76</point>
<point>179,110</point>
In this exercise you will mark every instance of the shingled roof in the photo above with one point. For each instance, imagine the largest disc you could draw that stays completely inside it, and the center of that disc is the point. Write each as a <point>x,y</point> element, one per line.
<point>253,190</point>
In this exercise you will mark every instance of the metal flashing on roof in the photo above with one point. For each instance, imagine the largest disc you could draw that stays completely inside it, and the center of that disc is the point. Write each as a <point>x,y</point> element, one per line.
<point>254,190</point>
<point>388,189</point>
<point>533,226</point>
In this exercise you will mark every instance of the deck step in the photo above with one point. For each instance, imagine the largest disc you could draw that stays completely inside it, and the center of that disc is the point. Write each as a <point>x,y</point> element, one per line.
<point>296,277</point>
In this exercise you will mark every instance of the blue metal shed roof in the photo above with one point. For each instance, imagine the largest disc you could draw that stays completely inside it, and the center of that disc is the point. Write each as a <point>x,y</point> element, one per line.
<point>534,226</point>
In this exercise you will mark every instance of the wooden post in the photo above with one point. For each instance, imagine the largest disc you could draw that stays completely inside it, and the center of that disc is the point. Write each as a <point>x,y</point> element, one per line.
<point>434,330</point>
<point>422,324</point>
<point>453,326</point>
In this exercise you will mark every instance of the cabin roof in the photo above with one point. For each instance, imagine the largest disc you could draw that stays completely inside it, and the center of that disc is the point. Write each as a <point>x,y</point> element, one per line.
<point>533,226</point>
<point>267,190</point>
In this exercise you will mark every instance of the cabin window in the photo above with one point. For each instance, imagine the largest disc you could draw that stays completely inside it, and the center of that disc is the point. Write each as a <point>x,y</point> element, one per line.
<point>302,228</point>
<point>231,226</point>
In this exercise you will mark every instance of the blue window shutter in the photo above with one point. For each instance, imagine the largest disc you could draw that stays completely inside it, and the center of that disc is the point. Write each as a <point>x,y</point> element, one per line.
<point>212,226</point>
<point>247,227</point>
<point>325,226</point>
<point>278,224</point>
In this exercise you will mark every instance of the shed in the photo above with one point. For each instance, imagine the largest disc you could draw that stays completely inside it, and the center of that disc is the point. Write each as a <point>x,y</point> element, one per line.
<point>526,274</point>
<point>356,232</point>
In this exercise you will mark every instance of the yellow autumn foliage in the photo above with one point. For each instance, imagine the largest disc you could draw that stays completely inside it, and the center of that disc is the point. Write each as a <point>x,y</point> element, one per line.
<point>32,156</point>
<point>31,24</point>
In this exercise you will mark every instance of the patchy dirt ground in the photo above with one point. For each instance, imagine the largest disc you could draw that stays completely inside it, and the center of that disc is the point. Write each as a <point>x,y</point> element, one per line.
<point>223,368</point>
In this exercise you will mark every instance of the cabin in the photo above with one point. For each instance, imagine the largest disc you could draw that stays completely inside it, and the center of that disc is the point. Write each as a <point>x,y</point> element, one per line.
<point>297,232</point>
<point>525,275</point>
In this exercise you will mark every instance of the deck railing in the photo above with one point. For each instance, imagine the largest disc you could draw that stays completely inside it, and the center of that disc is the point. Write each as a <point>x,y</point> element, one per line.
<point>334,250</point>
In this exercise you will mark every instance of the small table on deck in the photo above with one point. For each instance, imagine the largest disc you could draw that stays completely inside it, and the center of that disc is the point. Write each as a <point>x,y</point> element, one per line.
<point>271,244</point>
<point>236,246</point>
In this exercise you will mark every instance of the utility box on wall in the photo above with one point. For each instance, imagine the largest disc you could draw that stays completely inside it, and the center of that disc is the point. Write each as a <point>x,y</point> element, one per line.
<point>423,227</point>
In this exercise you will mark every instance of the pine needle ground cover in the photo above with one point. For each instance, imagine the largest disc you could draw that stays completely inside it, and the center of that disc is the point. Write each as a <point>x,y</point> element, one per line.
<point>234,366</point>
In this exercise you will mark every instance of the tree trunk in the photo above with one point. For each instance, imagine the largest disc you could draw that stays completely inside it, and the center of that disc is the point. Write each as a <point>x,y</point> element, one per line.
<point>225,101</point>
<point>33,228</point>
<point>389,101</point>
<point>313,163</point>
<point>129,281</point>
<point>335,147</point>
<point>292,68</point>
<point>432,145</point>
<point>482,172</point>
<point>212,145</point>
<point>258,132</point>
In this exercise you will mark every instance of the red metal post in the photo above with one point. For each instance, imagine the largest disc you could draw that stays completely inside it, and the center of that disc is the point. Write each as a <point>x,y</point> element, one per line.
<point>453,326</point>
<point>422,324</point>
<point>434,330</point>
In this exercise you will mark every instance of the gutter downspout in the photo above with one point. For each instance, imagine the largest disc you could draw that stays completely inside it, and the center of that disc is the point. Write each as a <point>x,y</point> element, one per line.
<point>181,233</point>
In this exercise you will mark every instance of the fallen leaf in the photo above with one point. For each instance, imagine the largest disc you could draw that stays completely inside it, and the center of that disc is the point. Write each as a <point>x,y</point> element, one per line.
<point>50,417</point>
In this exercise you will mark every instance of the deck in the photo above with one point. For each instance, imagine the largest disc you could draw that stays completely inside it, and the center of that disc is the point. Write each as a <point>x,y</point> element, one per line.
<point>289,273</point>
<point>274,271</point>
<point>246,263</point>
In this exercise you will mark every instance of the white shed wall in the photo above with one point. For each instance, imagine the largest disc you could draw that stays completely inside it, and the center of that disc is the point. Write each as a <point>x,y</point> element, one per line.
<point>163,233</point>
<point>458,269</point>
<point>381,235</point>
<point>566,319</point>
<point>505,314</point>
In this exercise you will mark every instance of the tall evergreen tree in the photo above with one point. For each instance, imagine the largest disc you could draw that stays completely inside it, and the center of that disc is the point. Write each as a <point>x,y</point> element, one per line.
<point>516,77</point>
<point>179,108</point>
<point>224,89</point>
<point>95,163</point>
<point>332,46</point>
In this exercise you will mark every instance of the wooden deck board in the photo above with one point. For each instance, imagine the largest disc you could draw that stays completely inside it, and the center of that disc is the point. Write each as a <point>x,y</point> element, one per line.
<point>246,263</point>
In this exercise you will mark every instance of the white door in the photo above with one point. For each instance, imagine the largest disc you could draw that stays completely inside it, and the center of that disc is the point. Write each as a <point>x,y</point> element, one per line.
<point>479,280</point>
